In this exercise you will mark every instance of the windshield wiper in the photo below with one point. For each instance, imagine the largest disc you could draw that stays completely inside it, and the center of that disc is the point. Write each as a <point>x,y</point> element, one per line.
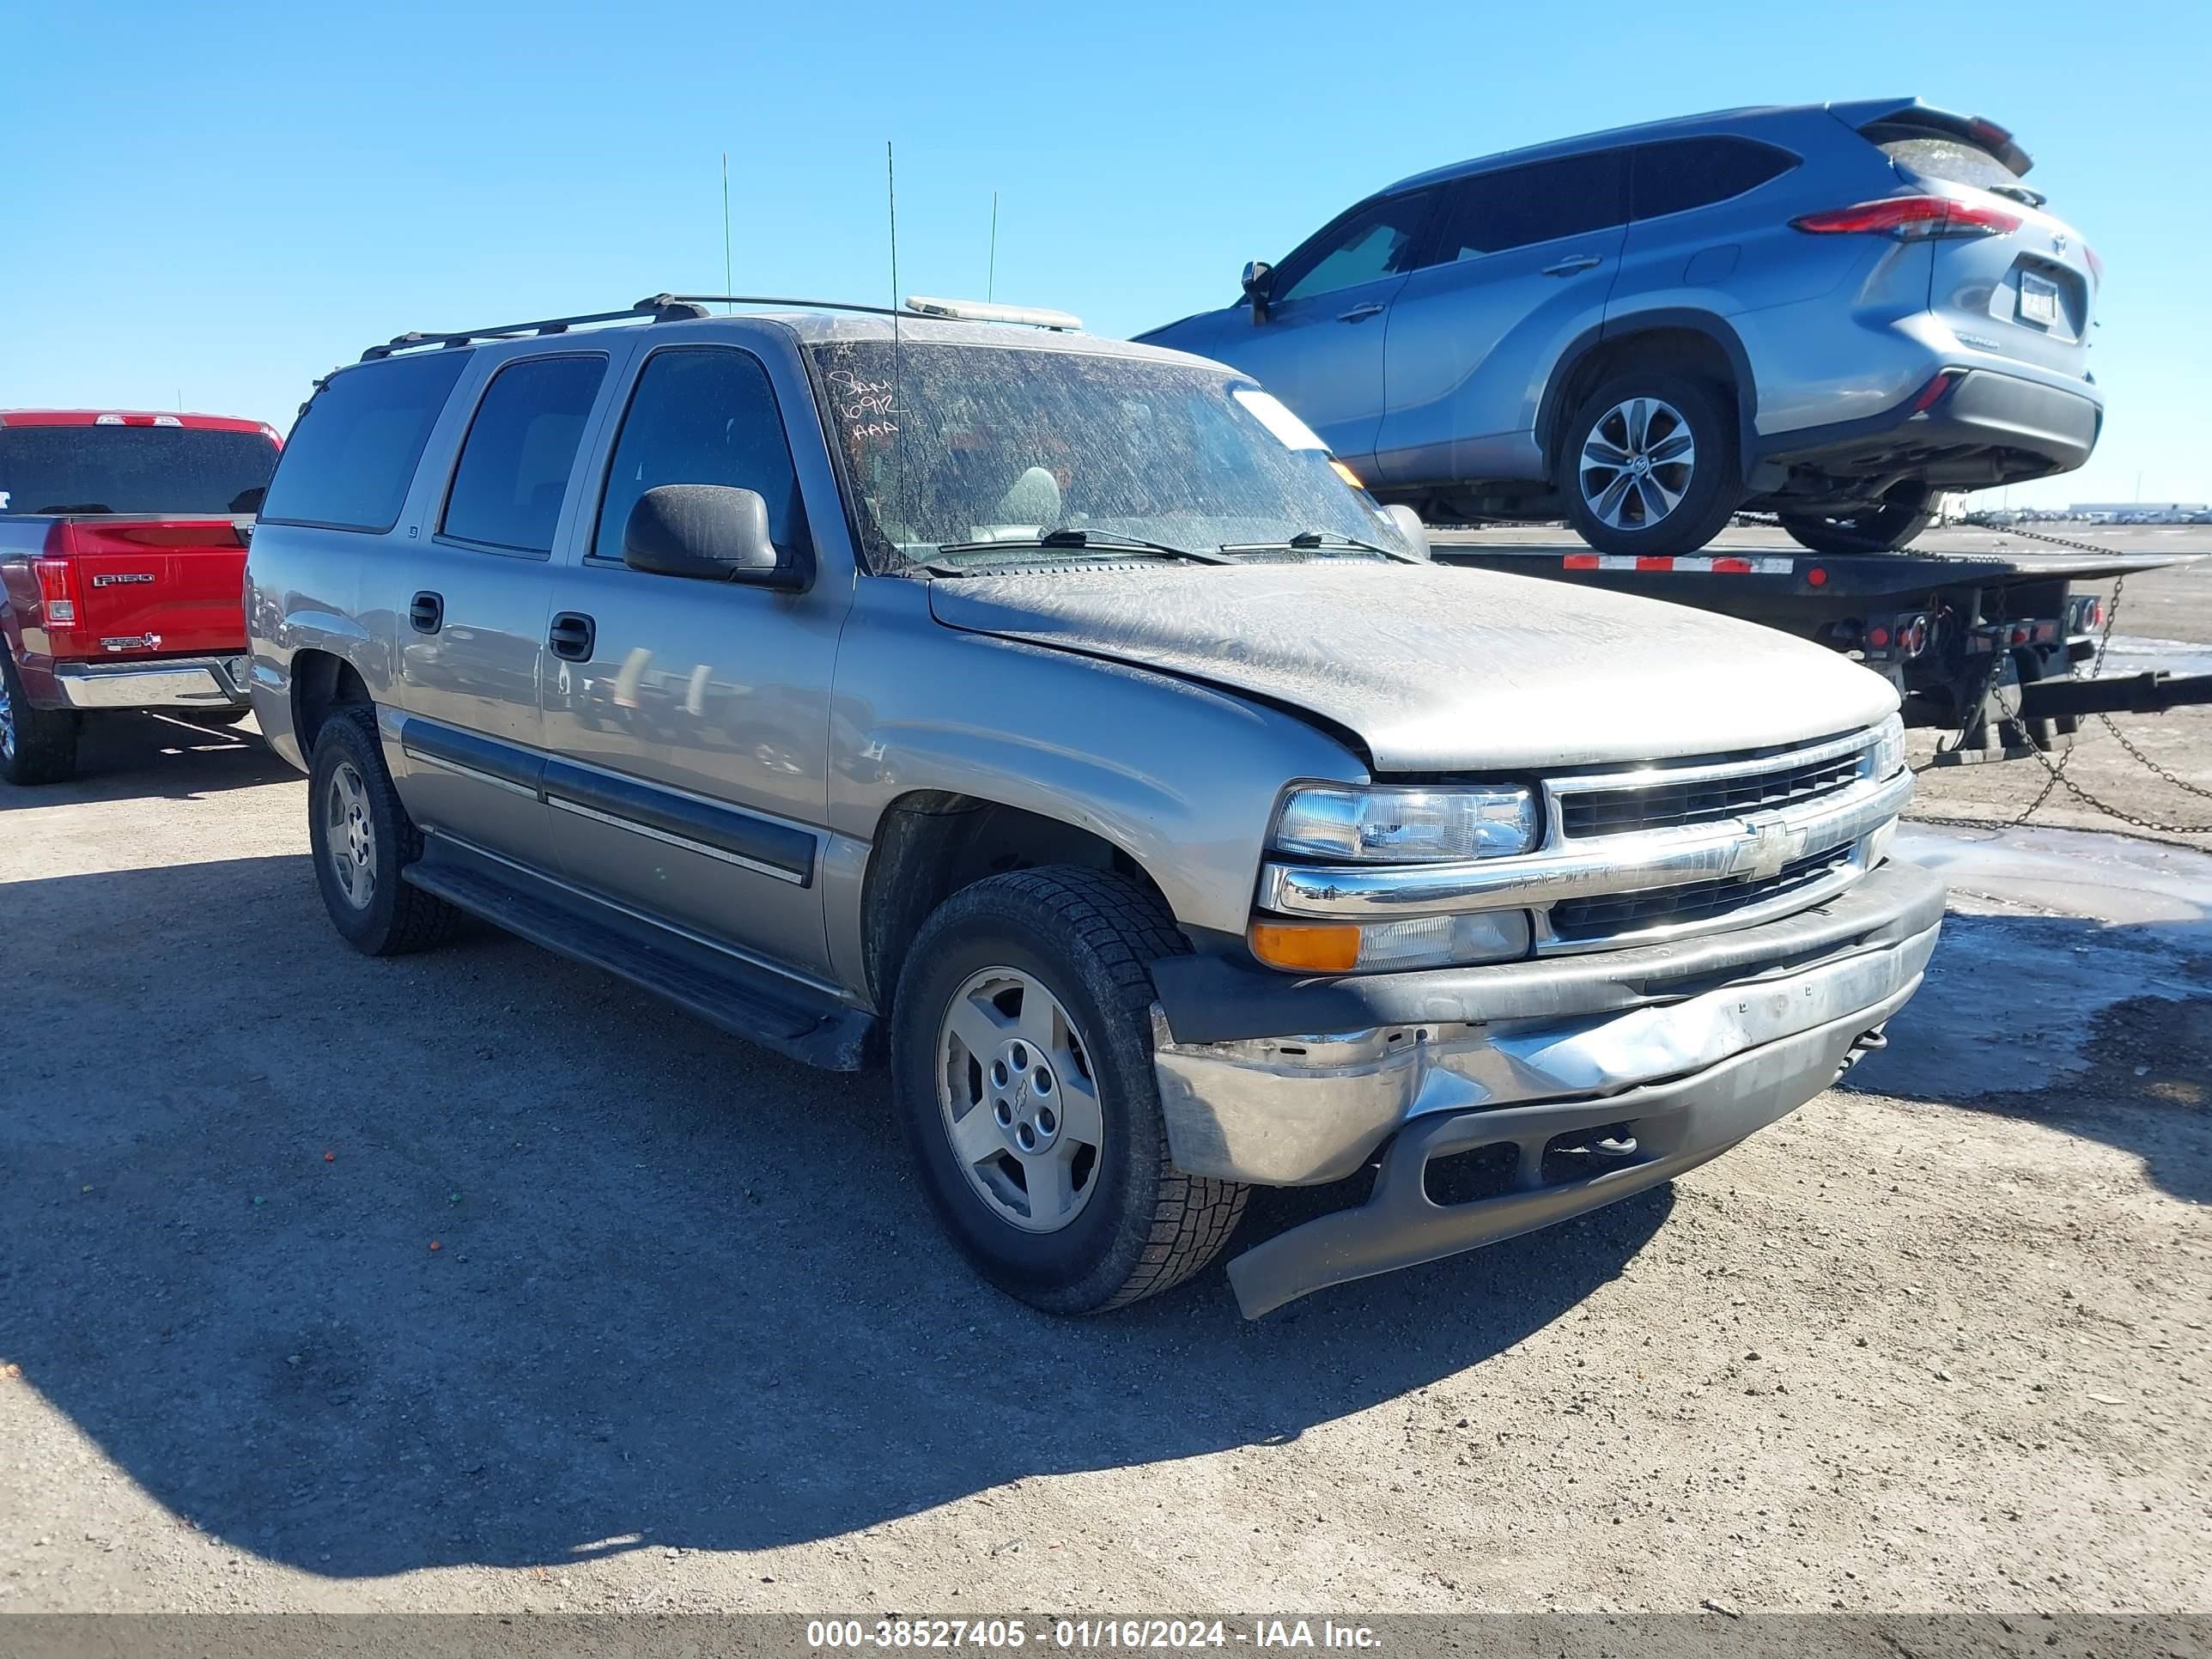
<point>1309,541</point>
<point>1069,538</point>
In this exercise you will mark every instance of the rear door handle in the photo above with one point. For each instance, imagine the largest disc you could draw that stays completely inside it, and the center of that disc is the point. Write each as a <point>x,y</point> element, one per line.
<point>572,636</point>
<point>1360,313</point>
<point>1568,267</point>
<point>427,611</point>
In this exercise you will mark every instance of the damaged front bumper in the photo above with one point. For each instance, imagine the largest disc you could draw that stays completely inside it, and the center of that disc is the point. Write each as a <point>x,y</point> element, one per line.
<point>1650,1060</point>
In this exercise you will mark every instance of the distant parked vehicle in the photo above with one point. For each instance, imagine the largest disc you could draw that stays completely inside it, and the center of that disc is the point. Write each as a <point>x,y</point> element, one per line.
<point>122,572</point>
<point>1831,312</point>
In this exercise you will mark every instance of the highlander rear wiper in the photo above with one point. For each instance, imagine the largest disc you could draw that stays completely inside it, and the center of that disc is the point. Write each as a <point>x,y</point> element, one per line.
<point>1083,541</point>
<point>2034,198</point>
<point>1307,541</point>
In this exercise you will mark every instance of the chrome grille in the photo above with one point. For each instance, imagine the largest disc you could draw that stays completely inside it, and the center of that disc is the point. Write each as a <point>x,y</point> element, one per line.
<point>1702,799</point>
<point>1611,916</point>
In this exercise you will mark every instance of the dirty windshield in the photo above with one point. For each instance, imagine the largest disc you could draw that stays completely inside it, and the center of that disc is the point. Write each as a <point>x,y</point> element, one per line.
<point>951,447</point>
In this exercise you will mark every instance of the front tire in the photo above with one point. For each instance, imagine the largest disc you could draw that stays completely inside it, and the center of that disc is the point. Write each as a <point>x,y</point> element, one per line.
<point>37,745</point>
<point>1022,1063</point>
<point>1881,529</point>
<point>1648,466</point>
<point>362,838</point>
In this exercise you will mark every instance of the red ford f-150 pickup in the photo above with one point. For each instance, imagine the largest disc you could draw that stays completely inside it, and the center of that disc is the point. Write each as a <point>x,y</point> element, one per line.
<point>122,572</point>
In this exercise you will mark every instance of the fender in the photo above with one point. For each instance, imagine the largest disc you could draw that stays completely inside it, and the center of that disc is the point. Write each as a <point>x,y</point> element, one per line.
<point>1552,412</point>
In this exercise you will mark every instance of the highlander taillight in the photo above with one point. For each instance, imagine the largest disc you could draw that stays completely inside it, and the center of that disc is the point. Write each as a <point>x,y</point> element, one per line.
<point>56,598</point>
<point>1911,218</point>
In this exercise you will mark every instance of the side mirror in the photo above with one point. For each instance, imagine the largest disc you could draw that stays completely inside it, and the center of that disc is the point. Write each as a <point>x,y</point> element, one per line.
<point>1411,528</point>
<point>1259,281</point>
<point>711,532</point>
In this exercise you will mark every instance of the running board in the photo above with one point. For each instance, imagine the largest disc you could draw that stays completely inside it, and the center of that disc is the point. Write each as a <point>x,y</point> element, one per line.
<point>719,986</point>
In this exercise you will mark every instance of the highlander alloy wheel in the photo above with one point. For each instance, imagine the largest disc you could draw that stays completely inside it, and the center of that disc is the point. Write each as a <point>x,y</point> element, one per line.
<point>1636,463</point>
<point>7,723</point>
<point>1019,1103</point>
<point>349,840</point>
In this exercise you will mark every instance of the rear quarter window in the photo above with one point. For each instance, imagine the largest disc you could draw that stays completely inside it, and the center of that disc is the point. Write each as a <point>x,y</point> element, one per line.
<point>353,451</point>
<point>1683,173</point>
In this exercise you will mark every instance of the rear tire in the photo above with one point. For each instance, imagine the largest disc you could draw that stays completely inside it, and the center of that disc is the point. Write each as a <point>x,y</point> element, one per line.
<point>363,839</point>
<point>37,745</point>
<point>1022,1063</point>
<point>211,717</point>
<point>1648,466</point>
<point>1881,529</point>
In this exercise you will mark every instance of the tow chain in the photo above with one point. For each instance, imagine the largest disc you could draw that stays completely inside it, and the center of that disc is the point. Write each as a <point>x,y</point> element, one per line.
<point>2055,777</point>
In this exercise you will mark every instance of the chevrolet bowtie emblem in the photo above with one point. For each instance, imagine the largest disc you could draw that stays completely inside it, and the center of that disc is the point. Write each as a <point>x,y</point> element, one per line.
<point>1769,842</point>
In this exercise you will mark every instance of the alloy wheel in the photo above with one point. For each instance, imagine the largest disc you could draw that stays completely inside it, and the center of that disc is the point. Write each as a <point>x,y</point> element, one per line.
<point>349,835</point>
<point>1636,463</point>
<point>7,722</point>
<point>1019,1100</point>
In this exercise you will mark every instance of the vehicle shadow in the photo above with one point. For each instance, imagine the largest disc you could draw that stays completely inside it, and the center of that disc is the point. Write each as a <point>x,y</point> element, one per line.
<point>127,757</point>
<point>2099,1030</point>
<point>480,1257</point>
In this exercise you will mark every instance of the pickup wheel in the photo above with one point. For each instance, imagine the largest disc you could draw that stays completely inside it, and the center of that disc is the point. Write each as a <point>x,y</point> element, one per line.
<point>362,838</point>
<point>1022,1063</point>
<point>212,717</point>
<point>1648,464</point>
<point>37,745</point>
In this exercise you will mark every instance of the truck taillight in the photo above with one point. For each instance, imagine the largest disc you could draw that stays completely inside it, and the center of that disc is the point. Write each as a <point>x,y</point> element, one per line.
<point>2096,266</point>
<point>1911,219</point>
<point>56,598</point>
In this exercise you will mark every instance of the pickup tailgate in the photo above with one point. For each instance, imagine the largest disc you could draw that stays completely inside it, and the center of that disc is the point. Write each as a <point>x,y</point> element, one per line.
<point>150,586</point>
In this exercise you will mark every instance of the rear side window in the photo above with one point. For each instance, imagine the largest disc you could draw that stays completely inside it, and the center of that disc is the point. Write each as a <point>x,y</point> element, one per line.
<point>1951,160</point>
<point>132,469</point>
<point>1693,173</point>
<point>1542,202</point>
<point>353,451</point>
<point>513,471</point>
<point>704,415</point>
<point>1378,241</point>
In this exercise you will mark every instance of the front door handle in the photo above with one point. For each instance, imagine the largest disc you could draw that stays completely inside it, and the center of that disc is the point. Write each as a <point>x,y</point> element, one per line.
<point>427,612</point>
<point>572,636</point>
<point>1360,313</point>
<point>1569,266</point>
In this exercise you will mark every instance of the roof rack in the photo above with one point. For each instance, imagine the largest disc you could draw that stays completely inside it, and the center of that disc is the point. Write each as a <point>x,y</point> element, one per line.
<point>689,307</point>
<point>659,307</point>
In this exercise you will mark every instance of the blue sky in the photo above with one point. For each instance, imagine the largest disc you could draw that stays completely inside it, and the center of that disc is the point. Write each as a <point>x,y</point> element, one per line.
<point>222,201</point>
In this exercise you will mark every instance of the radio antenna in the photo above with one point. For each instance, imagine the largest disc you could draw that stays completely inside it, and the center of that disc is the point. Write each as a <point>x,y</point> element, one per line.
<point>729,281</point>
<point>898,438</point>
<point>991,281</point>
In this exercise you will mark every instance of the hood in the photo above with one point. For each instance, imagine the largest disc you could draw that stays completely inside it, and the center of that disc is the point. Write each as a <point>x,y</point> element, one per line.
<point>1436,669</point>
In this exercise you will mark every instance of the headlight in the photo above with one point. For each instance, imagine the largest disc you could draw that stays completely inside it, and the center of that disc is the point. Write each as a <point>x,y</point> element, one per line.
<point>1887,756</point>
<point>1407,825</point>
<point>1309,947</point>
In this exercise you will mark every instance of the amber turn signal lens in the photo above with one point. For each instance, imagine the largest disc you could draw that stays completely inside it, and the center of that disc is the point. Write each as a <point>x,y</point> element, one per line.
<point>1314,948</point>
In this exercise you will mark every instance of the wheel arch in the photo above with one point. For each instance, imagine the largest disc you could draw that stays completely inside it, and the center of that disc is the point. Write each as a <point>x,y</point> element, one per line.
<point>929,844</point>
<point>321,681</point>
<point>1674,338</point>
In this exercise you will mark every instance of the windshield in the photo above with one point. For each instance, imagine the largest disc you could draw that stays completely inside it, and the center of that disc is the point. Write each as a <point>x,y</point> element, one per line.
<point>132,469</point>
<point>957,445</point>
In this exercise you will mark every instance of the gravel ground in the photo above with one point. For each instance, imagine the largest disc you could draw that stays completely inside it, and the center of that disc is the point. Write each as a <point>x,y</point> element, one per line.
<point>478,1280</point>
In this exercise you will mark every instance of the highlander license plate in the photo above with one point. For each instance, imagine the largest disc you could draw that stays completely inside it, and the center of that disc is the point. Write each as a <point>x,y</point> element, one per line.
<point>2039,300</point>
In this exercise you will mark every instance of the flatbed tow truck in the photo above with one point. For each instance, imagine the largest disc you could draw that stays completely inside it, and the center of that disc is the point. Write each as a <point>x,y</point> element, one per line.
<point>1989,647</point>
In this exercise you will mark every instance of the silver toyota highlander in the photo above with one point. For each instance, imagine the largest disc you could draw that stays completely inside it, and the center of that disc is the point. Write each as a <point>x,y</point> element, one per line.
<point>1050,716</point>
